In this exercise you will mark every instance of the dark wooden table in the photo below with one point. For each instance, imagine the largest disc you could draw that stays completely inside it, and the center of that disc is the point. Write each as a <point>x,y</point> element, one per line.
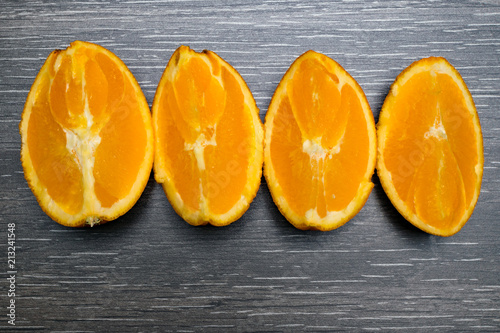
<point>151,271</point>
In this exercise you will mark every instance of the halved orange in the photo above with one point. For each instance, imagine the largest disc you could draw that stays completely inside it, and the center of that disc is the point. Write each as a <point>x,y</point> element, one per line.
<point>87,138</point>
<point>320,144</point>
<point>430,147</point>
<point>209,138</point>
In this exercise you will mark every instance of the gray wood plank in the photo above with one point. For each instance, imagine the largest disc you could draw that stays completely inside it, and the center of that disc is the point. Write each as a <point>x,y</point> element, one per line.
<point>150,271</point>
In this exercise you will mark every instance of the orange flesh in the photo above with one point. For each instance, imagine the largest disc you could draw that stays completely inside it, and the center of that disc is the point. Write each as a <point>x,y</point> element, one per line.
<point>56,167</point>
<point>226,177</point>
<point>86,78</point>
<point>200,113</point>
<point>316,110</point>
<point>121,140</point>
<point>432,155</point>
<point>187,175</point>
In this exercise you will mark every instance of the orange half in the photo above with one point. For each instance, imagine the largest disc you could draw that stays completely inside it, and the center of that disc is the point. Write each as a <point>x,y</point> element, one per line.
<point>87,138</point>
<point>209,138</point>
<point>430,147</point>
<point>320,144</point>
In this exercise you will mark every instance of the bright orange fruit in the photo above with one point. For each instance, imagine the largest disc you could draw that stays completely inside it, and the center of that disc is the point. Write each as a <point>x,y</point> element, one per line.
<point>320,144</point>
<point>430,147</point>
<point>87,138</point>
<point>209,138</point>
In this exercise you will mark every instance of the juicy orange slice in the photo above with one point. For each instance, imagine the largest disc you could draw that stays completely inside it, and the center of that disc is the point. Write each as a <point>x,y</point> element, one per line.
<point>209,138</point>
<point>430,147</point>
<point>320,144</point>
<point>87,139</point>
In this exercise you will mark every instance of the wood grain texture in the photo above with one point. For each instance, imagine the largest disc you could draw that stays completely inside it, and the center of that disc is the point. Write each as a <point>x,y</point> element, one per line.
<point>151,271</point>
